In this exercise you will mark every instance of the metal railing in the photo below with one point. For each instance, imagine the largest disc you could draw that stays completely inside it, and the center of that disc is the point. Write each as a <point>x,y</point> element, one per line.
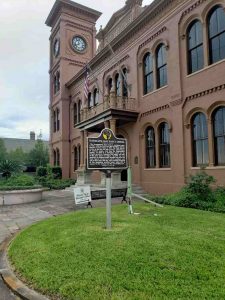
<point>110,102</point>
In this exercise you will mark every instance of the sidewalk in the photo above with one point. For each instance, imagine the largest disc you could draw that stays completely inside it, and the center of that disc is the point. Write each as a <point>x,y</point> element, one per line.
<point>16,217</point>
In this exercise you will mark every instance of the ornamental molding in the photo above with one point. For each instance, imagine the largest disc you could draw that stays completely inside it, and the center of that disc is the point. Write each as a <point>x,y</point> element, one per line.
<point>77,26</point>
<point>176,102</point>
<point>192,7</point>
<point>152,37</point>
<point>155,110</point>
<point>206,92</point>
<point>117,64</point>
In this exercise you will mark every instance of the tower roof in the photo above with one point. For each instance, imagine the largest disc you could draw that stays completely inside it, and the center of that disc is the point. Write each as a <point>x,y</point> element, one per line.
<point>71,5</point>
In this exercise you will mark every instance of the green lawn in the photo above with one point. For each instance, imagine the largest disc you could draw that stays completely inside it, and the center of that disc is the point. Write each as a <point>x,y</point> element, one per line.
<point>163,253</point>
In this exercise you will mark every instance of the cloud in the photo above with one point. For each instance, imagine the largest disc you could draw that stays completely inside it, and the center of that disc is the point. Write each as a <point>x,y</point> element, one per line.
<point>24,61</point>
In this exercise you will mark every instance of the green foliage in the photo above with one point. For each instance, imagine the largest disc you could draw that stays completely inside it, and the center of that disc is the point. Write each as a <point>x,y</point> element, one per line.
<point>18,156</point>
<point>39,156</point>
<point>56,184</point>
<point>163,253</point>
<point>41,172</point>
<point>9,167</point>
<point>57,172</point>
<point>3,153</point>
<point>196,194</point>
<point>18,180</point>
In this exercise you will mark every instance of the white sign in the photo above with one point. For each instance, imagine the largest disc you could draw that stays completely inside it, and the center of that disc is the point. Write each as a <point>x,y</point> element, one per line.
<point>82,195</point>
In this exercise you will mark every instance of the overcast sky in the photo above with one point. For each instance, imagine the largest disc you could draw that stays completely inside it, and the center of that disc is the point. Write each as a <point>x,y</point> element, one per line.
<point>24,61</point>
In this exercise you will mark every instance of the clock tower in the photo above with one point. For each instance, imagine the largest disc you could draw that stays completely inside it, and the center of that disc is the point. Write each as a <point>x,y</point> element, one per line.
<point>72,45</point>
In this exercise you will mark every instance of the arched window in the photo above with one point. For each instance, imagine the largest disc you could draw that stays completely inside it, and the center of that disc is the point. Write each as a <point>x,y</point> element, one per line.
<point>117,84</point>
<point>148,73</point>
<point>110,84</point>
<point>164,146</point>
<point>150,147</point>
<point>200,140</point>
<point>77,157</point>
<point>75,117</point>
<point>54,121</point>
<point>57,120</point>
<point>55,84</point>
<point>124,86</point>
<point>54,157</point>
<point>219,135</point>
<point>216,31</point>
<point>195,47</point>
<point>90,100</point>
<point>57,157</point>
<point>96,94</point>
<point>79,111</point>
<point>161,64</point>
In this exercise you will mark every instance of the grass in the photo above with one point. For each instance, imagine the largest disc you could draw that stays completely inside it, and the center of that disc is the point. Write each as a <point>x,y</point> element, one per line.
<point>167,253</point>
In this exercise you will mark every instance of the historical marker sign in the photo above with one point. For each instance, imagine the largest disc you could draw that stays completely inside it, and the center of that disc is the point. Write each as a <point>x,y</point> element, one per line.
<point>107,152</point>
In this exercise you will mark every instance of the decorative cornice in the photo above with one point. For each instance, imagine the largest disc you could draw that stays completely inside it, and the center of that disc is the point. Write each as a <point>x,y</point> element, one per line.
<point>117,64</point>
<point>176,102</point>
<point>206,92</point>
<point>192,7</point>
<point>155,110</point>
<point>152,37</point>
<point>76,25</point>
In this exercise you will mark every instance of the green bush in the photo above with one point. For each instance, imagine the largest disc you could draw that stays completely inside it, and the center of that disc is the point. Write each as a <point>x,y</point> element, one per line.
<point>56,184</point>
<point>57,172</point>
<point>41,172</point>
<point>196,194</point>
<point>18,180</point>
<point>9,167</point>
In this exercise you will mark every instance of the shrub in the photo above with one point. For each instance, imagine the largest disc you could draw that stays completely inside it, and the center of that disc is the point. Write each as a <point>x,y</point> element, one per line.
<point>57,172</point>
<point>9,167</point>
<point>56,184</point>
<point>19,188</point>
<point>18,180</point>
<point>41,172</point>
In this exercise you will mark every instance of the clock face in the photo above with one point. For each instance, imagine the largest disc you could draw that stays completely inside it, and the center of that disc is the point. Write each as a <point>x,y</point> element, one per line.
<point>56,47</point>
<point>79,44</point>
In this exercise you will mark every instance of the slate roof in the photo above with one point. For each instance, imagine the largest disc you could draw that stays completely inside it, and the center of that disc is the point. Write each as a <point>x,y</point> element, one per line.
<point>26,144</point>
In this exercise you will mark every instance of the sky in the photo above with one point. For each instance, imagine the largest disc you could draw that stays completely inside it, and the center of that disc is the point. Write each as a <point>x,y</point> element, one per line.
<point>24,63</point>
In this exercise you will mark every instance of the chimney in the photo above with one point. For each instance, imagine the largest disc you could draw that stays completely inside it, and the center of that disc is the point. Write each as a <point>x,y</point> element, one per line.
<point>32,136</point>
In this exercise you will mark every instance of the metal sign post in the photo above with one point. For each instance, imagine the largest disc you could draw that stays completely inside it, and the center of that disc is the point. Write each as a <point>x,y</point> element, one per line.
<point>107,153</point>
<point>108,200</point>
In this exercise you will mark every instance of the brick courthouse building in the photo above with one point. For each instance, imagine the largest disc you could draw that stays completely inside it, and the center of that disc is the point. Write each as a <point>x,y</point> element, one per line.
<point>157,79</point>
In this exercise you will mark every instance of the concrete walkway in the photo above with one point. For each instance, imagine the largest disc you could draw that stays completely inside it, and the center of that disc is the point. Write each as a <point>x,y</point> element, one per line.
<point>16,217</point>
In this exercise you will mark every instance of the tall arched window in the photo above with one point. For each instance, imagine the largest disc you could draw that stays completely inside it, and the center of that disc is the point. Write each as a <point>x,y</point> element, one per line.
<point>57,157</point>
<point>75,119</point>
<point>117,84</point>
<point>54,121</point>
<point>90,100</point>
<point>79,107</point>
<point>219,135</point>
<point>57,120</point>
<point>216,31</point>
<point>124,86</point>
<point>200,140</point>
<point>54,157</point>
<point>164,146</point>
<point>148,73</point>
<point>161,63</point>
<point>195,47</point>
<point>150,147</point>
<point>55,84</point>
<point>110,84</point>
<point>96,96</point>
<point>77,157</point>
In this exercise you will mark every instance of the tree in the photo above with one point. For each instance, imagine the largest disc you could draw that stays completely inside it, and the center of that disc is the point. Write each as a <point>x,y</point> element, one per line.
<point>39,156</point>
<point>18,156</point>
<point>9,167</point>
<point>3,152</point>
